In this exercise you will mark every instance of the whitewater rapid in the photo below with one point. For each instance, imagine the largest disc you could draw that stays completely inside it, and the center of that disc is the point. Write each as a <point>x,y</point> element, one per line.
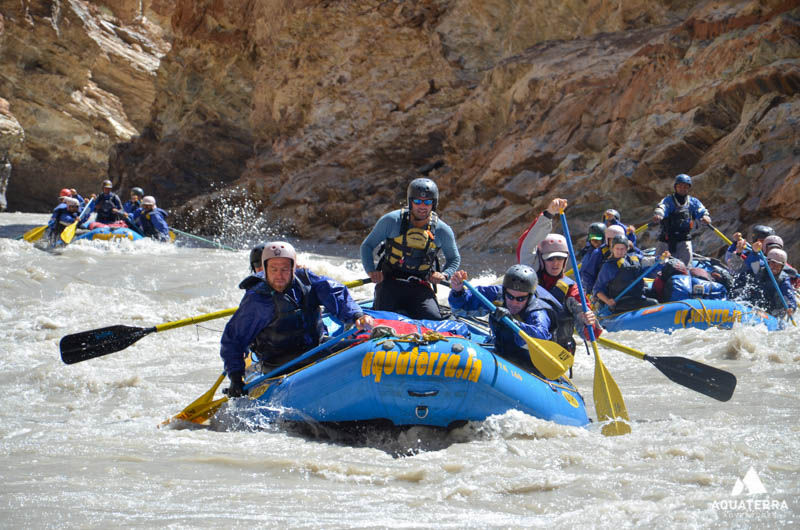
<point>81,444</point>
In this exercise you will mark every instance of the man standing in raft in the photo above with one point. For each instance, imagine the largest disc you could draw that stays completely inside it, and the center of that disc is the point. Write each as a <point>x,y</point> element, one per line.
<point>407,274</point>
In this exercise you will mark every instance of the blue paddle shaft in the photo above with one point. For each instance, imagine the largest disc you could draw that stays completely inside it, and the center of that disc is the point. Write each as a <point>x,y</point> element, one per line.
<point>574,263</point>
<point>298,360</point>
<point>490,306</point>
<point>772,277</point>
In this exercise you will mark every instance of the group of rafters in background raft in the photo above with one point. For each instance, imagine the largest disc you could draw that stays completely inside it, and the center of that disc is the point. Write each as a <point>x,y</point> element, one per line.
<point>139,217</point>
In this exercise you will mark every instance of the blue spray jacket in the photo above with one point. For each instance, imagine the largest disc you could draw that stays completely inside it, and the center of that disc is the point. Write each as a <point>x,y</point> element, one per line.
<point>534,323</point>
<point>257,311</point>
<point>153,224</point>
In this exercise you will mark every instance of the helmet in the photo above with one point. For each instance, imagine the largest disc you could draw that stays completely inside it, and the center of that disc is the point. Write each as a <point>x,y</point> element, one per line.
<point>149,199</point>
<point>278,249</point>
<point>614,230</point>
<point>762,231</point>
<point>423,188</point>
<point>65,193</point>
<point>521,278</point>
<point>553,246</point>
<point>610,214</point>
<point>255,256</point>
<point>137,191</point>
<point>69,201</point>
<point>777,255</point>
<point>683,178</point>
<point>597,231</point>
<point>619,240</point>
<point>106,183</point>
<point>773,241</point>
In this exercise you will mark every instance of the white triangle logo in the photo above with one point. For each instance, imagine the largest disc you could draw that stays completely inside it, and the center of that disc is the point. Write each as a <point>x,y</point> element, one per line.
<point>751,482</point>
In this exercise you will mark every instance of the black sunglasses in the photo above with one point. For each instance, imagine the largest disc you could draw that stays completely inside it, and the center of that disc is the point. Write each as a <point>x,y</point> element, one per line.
<point>510,296</point>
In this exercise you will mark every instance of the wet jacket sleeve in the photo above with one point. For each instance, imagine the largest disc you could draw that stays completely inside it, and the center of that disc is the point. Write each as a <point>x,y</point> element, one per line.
<point>530,239</point>
<point>254,313</point>
<point>607,273</point>
<point>697,208</point>
<point>537,325</point>
<point>160,223</point>
<point>788,292</point>
<point>446,240</point>
<point>335,297</point>
<point>386,227</point>
<point>665,207</point>
<point>464,304</point>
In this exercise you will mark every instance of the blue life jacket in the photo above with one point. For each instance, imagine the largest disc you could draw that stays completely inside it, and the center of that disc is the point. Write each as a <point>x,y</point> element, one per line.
<point>677,226</point>
<point>296,328</point>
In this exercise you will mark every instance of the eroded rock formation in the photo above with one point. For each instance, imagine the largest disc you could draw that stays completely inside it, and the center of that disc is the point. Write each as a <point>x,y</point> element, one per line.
<point>323,110</point>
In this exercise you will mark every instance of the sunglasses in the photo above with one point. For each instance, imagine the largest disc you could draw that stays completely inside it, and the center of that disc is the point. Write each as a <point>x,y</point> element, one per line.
<point>426,202</point>
<point>510,296</point>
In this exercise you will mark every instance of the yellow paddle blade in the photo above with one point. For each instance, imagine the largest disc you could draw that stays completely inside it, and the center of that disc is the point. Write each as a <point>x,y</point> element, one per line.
<point>548,357</point>
<point>69,232</point>
<point>201,413</point>
<point>199,405</point>
<point>171,236</point>
<point>34,234</point>
<point>608,400</point>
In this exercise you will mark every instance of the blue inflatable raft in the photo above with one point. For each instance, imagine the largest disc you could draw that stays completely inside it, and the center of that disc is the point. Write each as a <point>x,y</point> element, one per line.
<point>691,313</point>
<point>108,233</point>
<point>423,378</point>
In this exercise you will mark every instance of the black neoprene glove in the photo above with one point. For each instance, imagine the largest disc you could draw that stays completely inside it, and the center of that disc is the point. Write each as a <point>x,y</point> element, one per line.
<point>499,313</point>
<point>237,385</point>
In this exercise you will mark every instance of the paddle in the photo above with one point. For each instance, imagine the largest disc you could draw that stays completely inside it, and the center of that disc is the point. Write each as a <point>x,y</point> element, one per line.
<point>548,357</point>
<point>205,406</point>
<point>69,232</point>
<point>220,245</point>
<point>34,234</point>
<point>608,400</point>
<point>694,375</point>
<point>641,229</point>
<point>102,341</point>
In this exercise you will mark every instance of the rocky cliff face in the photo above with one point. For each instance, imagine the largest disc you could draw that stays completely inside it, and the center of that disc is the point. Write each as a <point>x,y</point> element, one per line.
<point>322,111</point>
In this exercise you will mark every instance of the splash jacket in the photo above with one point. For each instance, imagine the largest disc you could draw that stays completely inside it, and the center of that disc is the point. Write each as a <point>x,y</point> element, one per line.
<point>104,206</point>
<point>538,319</point>
<point>282,326</point>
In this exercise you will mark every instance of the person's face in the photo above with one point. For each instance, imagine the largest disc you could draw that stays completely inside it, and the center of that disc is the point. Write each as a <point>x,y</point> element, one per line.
<point>72,208</point>
<point>421,211</point>
<point>620,250</point>
<point>135,197</point>
<point>279,273</point>
<point>515,300</point>
<point>106,190</point>
<point>681,188</point>
<point>775,266</point>
<point>554,266</point>
<point>148,207</point>
<point>596,243</point>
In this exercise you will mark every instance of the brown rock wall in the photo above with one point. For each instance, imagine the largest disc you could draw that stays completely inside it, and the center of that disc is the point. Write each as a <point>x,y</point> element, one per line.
<point>322,110</point>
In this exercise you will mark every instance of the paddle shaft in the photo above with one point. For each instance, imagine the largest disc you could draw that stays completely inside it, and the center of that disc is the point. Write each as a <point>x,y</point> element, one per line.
<point>702,378</point>
<point>551,366</point>
<point>220,245</point>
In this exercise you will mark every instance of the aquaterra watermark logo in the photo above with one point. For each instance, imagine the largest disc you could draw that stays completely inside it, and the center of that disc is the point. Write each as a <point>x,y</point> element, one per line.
<point>747,497</point>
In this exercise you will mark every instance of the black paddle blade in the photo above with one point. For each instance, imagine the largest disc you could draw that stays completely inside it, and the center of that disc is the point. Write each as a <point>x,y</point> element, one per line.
<point>98,342</point>
<point>700,377</point>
